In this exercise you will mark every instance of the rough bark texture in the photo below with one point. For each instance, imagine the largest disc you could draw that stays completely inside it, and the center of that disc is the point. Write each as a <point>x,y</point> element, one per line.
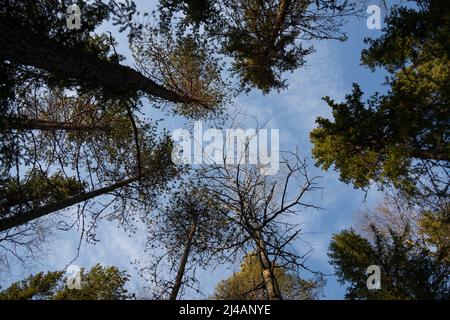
<point>281,17</point>
<point>270,282</point>
<point>20,45</point>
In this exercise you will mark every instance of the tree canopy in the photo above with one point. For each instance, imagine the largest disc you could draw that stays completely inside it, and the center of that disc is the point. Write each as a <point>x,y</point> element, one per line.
<point>399,138</point>
<point>79,145</point>
<point>410,249</point>
<point>263,38</point>
<point>248,284</point>
<point>99,283</point>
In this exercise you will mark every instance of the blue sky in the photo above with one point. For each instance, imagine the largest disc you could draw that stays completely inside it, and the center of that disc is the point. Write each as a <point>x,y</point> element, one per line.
<point>331,70</point>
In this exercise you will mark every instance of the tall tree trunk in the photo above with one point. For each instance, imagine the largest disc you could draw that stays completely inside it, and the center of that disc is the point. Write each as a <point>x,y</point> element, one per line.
<point>45,125</point>
<point>25,217</point>
<point>280,18</point>
<point>21,45</point>
<point>270,281</point>
<point>183,262</point>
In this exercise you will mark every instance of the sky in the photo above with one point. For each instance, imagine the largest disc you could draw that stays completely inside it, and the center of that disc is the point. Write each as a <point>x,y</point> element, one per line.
<point>330,70</point>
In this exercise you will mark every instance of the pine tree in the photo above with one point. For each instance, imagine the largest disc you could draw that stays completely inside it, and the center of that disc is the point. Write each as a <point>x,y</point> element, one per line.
<point>99,283</point>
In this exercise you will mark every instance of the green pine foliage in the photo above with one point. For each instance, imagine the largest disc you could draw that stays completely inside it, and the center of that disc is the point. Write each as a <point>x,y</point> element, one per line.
<point>99,283</point>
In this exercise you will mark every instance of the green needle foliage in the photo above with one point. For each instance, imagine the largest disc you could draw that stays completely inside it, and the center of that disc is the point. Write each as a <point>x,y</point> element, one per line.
<point>400,138</point>
<point>36,190</point>
<point>411,248</point>
<point>247,284</point>
<point>264,39</point>
<point>99,283</point>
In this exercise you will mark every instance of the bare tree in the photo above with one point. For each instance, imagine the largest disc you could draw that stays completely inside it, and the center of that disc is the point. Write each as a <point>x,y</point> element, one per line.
<point>24,243</point>
<point>262,207</point>
<point>420,227</point>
